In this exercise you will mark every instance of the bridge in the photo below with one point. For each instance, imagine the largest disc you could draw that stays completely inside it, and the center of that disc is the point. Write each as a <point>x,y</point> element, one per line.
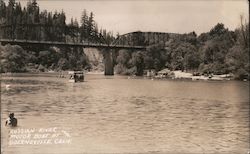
<point>131,41</point>
<point>69,44</point>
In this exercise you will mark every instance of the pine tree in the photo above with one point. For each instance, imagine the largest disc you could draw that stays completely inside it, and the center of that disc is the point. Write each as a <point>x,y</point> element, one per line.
<point>10,16</point>
<point>2,11</point>
<point>84,25</point>
<point>95,33</point>
<point>90,26</point>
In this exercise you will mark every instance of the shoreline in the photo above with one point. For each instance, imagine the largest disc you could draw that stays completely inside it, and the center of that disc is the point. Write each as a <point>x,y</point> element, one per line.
<point>180,76</point>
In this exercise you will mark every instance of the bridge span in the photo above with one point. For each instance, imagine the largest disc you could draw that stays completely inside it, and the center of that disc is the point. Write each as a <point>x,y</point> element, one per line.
<point>69,44</point>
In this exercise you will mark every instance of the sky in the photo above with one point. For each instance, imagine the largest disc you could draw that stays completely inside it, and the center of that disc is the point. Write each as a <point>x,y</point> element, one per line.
<point>174,16</point>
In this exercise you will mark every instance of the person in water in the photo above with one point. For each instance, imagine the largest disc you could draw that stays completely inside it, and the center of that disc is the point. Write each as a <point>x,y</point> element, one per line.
<point>11,121</point>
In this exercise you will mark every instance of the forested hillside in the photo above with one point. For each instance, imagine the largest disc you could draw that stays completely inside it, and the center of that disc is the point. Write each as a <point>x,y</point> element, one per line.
<point>31,23</point>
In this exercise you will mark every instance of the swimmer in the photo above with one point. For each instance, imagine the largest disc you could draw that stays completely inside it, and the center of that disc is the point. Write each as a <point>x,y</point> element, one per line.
<point>11,121</point>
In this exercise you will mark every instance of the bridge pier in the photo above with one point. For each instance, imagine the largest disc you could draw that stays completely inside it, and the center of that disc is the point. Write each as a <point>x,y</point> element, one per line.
<point>108,61</point>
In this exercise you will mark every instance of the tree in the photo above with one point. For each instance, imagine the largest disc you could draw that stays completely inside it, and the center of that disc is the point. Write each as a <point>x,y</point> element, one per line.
<point>48,57</point>
<point>84,25</point>
<point>123,58</point>
<point>63,64</point>
<point>90,25</point>
<point>218,29</point>
<point>244,33</point>
<point>137,61</point>
<point>192,58</point>
<point>13,59</point>
<point>95,34</point>
<point>215,48</point>
<point>2,11</point>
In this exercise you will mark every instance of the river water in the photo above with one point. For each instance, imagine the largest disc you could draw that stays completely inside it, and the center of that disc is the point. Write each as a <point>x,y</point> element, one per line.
<point>124,115</point>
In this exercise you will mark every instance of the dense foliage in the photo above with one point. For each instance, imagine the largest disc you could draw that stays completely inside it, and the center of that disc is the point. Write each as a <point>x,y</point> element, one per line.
<point>13,59</point>
<point>219,51</point>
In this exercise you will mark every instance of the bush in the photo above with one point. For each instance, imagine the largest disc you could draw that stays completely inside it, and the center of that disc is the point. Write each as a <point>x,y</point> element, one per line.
<point>13,59</point>
<point>120,69</point>
<point>241,74</point>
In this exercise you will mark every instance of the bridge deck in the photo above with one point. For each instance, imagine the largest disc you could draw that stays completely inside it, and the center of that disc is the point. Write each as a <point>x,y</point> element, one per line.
<point>70,44</point>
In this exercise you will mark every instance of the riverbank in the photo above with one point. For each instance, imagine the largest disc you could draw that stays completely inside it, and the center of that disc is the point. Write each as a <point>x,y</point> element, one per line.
<point>184,75</point>
<point>189,76</point>
<point>175,75</point>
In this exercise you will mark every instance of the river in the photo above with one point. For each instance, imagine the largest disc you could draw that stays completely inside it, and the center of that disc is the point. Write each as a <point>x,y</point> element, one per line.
<point>118,114</point>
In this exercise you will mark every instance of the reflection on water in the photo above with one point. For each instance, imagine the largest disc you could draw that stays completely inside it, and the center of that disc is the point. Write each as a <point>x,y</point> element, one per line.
<point>120,115</point>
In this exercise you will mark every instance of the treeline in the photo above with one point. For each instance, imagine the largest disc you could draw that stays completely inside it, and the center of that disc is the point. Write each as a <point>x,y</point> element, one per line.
<point>17,22</point>
<point>32,24</point>
<point>219,51</point>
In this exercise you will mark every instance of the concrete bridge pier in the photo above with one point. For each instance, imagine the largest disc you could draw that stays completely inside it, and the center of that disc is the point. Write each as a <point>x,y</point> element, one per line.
<point>108,61</point>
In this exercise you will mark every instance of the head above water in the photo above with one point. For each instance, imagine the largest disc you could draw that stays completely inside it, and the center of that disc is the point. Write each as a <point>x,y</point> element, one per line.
<point>11,115</point>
